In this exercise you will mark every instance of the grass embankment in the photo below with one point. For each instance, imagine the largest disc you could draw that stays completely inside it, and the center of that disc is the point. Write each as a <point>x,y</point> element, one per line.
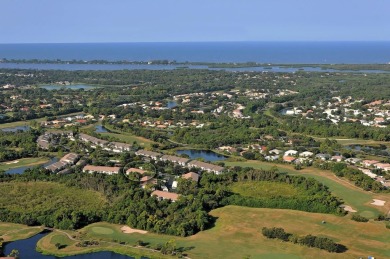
<point>41,196</point>
<point>34,161</point>
<point>27,122</point>
<point>353,141</point>
<point>11,232</point>
<point>353,196</point>
<point>127,137</point>
<point>264,189</point>
<point>237,234</point>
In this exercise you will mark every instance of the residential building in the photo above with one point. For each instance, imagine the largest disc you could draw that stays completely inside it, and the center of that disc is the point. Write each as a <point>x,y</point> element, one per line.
<point>175,159</point>
<point>161,195</point>
<point>191,175</point>
<point>205,166</point>
<point>150,154</point>
<point>101,169</point>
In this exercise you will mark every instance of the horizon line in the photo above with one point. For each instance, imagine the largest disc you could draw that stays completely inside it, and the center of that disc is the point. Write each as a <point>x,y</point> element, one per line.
<point>238,41</point>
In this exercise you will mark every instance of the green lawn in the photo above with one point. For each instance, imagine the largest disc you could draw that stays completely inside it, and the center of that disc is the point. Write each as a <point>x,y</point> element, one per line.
<point>27,122</point>
<point>353,196</point>
<point>264,189</point>
<point>129,138</point>
<point>23,162</point>
<point>237,233</point>
<point>11,231</point>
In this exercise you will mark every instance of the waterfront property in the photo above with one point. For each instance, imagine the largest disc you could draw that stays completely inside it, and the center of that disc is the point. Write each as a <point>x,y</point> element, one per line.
<point>175,159</point>
<point>150,154</point>
<point>68,159</point>
<point>205,166</point>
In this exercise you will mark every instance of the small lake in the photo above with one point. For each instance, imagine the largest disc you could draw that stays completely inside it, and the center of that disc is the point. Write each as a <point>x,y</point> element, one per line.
<point>171,104</point>
<point>100,129</point>
<point>20,170</point>
<point>72,87</point>
<point>27,247</point>
<point>207,155</point>
<point>14,129</point>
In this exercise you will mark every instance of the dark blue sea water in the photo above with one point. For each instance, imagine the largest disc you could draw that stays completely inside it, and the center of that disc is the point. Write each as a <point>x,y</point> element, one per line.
<point>262,52</point>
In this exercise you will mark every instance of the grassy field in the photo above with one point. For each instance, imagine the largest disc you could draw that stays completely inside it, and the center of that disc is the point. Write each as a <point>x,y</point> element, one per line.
<point>129,138</point>
<point>23,162</point>
<point>353,196</point>
<point>36,196</point>
<point>264,189</point>
<point>27,122</point>
<point>10,231</point>
<point>237,234</point>
<point>352,141</point>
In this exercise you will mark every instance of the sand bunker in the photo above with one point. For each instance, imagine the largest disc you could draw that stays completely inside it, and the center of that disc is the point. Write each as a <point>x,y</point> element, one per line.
<point>12,162</point>
<point>129,230</point>
<point>347,208</point>
<point>378,202</point>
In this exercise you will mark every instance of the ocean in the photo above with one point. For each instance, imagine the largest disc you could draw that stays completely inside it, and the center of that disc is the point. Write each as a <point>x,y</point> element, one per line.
<point>261,52</point>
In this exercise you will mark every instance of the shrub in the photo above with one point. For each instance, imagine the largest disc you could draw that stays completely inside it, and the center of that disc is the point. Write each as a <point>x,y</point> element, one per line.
<point>359,218</point>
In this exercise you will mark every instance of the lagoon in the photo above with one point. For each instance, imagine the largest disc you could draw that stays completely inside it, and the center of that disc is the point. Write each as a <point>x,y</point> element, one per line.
<point>207,155</point>
<point>171,104</point>
<point>20,170</point>
<point>27,250</point>
<point>100,129</point>
<point>16,128</point>
<point>73,87</point>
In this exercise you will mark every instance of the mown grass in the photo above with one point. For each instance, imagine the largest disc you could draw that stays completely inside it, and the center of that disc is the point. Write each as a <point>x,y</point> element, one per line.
<point>10,231</point>
<point>264,189</point>
<point>27,122</point>
<point>353,196</point>
<point>237,233</point>
<point>37,196</point>
<point>129,138</point>
<point>23,162</point>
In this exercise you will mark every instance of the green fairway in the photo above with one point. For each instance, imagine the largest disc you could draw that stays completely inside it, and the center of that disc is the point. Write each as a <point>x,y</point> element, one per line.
<point>11,231</point>
<point>264,189</point>
<point>237,234</point>
<point>353,196</point>
<point>102,230</point>
<point>34,161</point>
<point>128,138</point>
<point>27,122</point>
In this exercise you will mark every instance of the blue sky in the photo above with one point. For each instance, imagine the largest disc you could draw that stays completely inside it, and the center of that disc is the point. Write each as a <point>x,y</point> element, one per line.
<point>27,21</point>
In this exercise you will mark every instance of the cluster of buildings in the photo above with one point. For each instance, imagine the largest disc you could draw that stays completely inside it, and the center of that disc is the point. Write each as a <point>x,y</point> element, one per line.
<point>181,161</point>
<point>63,166</point>
<point>375,114</point>
<point>69,121</point>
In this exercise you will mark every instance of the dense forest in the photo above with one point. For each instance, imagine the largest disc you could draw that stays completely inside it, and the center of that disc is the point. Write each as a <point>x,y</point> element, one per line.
<point>129,204</point>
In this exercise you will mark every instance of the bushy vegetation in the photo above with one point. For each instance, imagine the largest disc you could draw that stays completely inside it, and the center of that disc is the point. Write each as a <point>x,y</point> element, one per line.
<point>313,196</point>
<point>72,202</point>
<point>358,218</point>
<point>308,240</point>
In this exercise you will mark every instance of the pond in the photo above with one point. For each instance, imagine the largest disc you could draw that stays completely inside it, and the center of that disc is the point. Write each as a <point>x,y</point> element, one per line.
<point>171,104</point>
<point>100,129</point>
<point>207,155</point>
<point>20,170</point>
<point>14,129</point>
<point>73,87</point>
<point>26,248</point>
